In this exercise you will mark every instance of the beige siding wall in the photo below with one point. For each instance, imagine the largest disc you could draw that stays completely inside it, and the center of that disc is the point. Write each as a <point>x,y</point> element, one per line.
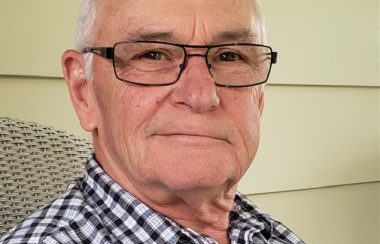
<point>318,165</point>
<point>346,214</point>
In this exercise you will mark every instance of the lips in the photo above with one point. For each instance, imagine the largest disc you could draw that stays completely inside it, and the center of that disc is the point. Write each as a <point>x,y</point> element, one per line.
<point>193,136</point>
<point>190,139</point>
<point>198,135</point>
<point>191,128</point>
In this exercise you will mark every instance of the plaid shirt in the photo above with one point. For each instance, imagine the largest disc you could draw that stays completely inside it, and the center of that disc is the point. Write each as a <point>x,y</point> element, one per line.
<point>95,209</point>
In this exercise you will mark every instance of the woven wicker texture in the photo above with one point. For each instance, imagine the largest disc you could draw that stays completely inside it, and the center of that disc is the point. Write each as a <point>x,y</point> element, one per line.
<point>36,165</point>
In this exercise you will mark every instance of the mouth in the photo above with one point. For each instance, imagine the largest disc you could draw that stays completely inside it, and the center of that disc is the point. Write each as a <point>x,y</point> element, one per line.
<point>190,138</point>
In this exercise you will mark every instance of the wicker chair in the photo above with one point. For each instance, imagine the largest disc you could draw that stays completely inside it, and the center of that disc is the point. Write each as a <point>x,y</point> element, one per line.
<point>36,165</point>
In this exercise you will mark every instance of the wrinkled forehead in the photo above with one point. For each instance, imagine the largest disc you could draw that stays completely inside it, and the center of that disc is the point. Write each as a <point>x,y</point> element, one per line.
<point>181,21</point>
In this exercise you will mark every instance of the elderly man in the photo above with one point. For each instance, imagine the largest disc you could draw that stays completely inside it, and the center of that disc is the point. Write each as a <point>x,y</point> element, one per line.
<point>172,92</point>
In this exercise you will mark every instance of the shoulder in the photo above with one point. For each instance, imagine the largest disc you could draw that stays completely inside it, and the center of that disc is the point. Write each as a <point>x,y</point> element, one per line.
<point>264,227</point>
<point>66,212</point>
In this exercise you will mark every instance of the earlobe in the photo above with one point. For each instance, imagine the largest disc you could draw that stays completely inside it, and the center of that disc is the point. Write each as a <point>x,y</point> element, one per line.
<point>79,89</point>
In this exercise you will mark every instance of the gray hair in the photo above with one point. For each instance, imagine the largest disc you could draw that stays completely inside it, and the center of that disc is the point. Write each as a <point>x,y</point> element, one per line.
<point>85,27</point>
<point>83,38</point>
<point>85,24</point>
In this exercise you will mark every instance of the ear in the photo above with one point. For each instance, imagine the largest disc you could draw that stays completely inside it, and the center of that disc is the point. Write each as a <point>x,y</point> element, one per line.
<point>80,89</point>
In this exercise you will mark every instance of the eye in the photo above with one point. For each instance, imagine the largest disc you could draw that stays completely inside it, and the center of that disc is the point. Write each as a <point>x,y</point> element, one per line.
<point>153,55</point>
<point>229,56</point>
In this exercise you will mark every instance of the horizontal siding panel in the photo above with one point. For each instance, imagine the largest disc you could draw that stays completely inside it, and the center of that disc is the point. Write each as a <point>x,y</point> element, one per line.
<point>315,137</point>
<point>345,214</point>
<point>45,101</point>
<point>324,42</point>
<point>34,35</point>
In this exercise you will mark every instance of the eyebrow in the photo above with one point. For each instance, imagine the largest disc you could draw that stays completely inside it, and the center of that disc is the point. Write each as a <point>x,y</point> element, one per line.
<point>237,35</point>
<point>154,36</point>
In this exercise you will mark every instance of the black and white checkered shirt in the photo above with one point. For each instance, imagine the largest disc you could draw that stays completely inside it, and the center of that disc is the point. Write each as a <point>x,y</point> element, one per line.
<point>95,209</point>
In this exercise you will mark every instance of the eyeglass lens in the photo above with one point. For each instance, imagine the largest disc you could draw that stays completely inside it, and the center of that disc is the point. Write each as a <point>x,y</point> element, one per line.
<point>160,63</point>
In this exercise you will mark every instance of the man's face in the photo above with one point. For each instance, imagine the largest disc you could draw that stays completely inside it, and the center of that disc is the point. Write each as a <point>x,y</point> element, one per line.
<point>188,135</point>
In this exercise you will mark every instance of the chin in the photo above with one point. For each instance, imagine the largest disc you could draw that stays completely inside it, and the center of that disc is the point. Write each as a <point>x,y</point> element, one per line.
<point>184,168</point>
<point>193,178</point>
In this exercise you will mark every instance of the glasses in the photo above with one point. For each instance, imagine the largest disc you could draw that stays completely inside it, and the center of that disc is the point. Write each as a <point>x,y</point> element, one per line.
<point>153,63</point>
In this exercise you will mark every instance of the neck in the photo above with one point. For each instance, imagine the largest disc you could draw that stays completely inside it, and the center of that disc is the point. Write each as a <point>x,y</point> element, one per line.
<point>205,211</point>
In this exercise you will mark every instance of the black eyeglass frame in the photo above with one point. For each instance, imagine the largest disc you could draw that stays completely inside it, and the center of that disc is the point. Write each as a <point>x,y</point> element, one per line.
<point>109,53</point>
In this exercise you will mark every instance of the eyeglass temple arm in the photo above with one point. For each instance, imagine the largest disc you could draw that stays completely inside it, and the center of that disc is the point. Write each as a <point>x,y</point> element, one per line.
<point>105,52</point>
<point>273,57</point>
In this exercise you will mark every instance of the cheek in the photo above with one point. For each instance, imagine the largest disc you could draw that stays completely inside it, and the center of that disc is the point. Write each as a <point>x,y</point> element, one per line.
<point>127,112</point>
<point>253,115</point>
<point>133,109</point>
<point>249,124</point>
<point>243,105</point>
<point>245,113</point>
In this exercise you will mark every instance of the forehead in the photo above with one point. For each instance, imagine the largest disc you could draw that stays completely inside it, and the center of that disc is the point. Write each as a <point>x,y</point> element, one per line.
<point>183,21</point>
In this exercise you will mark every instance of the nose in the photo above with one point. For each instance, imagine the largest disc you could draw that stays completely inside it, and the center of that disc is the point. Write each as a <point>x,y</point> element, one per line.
<point>196,88</point>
